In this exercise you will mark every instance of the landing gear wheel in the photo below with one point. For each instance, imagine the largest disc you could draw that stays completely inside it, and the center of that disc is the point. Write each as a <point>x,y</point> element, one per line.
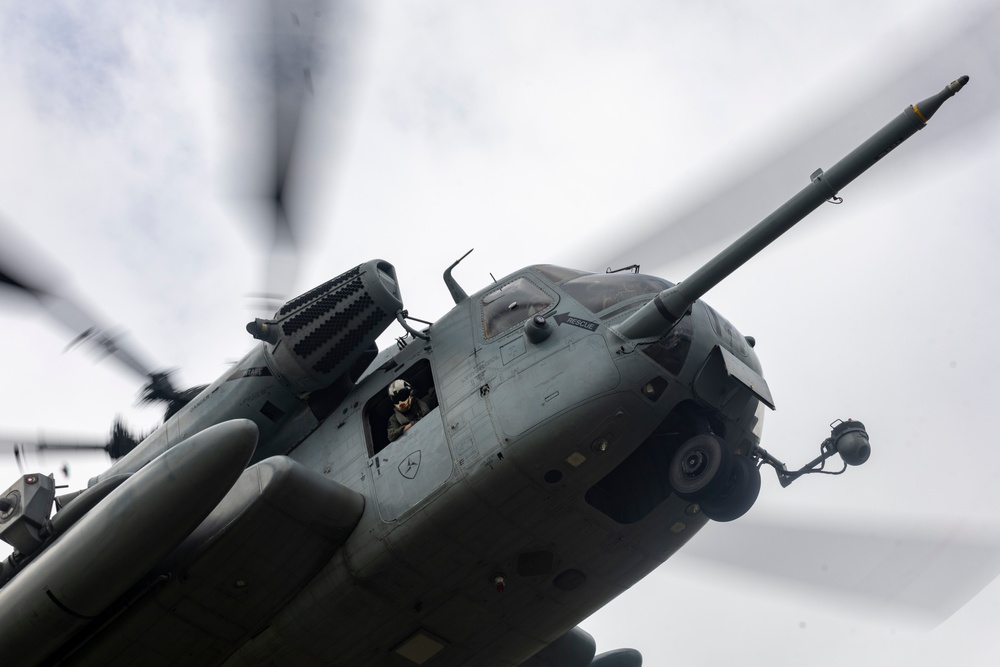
<point>739,494</point>
<point>700,468</point>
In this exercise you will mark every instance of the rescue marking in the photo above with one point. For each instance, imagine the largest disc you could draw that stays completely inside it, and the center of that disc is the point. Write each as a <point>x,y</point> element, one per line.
<point>566,318</point>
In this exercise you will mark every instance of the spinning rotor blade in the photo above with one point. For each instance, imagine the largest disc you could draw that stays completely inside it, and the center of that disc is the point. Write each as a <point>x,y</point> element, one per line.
<point>26,271</point>
<point>749,195</point>
<point>933,573</point>
<point>119,443</point>
<point>292,50</point>
<point>293,30</point>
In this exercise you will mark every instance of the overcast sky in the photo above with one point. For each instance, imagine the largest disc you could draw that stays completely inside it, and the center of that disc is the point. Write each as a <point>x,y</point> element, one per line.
<point>570,133</point>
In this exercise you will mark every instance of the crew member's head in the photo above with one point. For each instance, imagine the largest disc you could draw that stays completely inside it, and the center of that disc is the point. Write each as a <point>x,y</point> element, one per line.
<point>401,395</point>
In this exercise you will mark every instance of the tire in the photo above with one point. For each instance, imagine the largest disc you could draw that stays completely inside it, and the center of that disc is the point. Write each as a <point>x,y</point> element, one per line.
<point>700,468</point>
<point>739,494</point>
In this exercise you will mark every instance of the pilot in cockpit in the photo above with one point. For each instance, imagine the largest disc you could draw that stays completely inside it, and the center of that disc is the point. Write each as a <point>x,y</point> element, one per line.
<point>407,408</point>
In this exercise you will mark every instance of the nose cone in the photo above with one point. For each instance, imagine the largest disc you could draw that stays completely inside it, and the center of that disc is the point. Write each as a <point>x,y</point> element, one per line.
<point>926,109</point>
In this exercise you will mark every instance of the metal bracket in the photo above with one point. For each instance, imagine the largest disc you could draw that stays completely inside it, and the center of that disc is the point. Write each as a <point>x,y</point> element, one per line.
<point>402,316</point>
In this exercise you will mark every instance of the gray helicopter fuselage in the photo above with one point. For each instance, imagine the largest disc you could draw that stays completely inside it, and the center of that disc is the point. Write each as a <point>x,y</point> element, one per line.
<point>533,493</point>
<point>578,440</point>
<point>496,523</point>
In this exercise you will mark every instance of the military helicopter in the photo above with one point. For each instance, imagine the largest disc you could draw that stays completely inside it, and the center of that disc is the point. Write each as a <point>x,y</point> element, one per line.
<point>414,349</point>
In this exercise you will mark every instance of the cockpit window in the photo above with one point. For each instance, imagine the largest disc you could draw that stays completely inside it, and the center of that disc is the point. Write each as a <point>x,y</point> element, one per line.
<point>557,274</point>
<point>512,304</point>
<point>600,291</point>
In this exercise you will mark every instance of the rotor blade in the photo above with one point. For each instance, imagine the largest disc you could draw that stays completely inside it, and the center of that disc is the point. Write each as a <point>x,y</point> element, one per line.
<point>43,445</point>
<point>24,269</point>
<point>19,284</point>
<point>27,271</point>
<point>290,49</point>
<point>933,573</point>
<point>751,194</point>
<point>19,447</point>
<point>120,442</point>
<point>293,38</point>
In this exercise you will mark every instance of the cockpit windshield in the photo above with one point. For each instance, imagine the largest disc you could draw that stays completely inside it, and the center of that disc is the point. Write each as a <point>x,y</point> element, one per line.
<point>557,274</point>
<point>600,291</point>
<point>511,304</point>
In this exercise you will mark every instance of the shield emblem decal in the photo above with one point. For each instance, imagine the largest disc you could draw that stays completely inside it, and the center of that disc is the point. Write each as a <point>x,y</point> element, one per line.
<point>408,468</point>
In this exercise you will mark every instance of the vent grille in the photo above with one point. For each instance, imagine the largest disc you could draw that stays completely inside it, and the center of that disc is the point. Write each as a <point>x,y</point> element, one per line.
<point>336,323</point>
<point>321,307</point>
<point>326,330</point>
<point>316,291</point>
<point>353,339</point>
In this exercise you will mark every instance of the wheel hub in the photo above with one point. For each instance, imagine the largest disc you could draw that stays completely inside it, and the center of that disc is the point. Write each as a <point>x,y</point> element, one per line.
<point>694,464</point>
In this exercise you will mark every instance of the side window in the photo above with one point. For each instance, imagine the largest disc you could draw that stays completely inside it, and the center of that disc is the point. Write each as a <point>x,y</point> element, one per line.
<point>511,304</point>
<point>380,407</point>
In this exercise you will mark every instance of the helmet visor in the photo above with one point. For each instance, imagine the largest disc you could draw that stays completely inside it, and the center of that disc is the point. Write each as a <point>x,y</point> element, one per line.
<point>401,395</point>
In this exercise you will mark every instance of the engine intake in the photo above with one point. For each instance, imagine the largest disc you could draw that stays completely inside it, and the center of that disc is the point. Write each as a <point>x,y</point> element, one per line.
<point>316,337</point>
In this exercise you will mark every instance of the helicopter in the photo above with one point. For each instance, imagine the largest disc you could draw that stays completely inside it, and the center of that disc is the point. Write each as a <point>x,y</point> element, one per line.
<point>922,137</point>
